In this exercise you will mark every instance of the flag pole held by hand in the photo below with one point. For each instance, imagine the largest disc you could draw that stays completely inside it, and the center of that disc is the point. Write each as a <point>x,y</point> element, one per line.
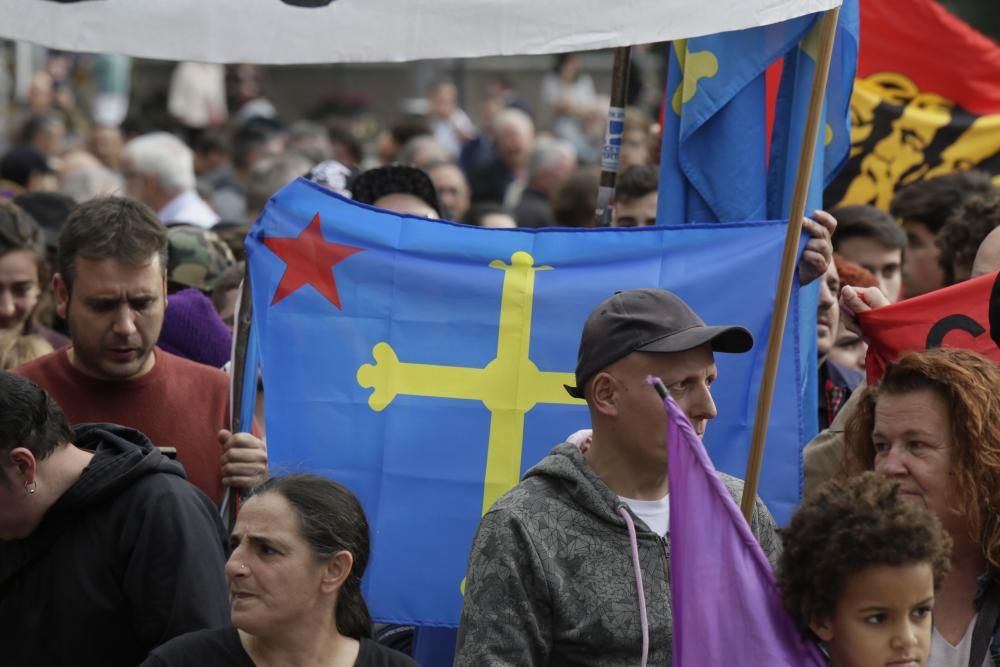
<point>788,260</point>
<point>238,374</point>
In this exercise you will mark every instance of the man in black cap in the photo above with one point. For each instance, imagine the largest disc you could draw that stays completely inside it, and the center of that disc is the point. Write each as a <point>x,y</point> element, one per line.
<point>551,578</point>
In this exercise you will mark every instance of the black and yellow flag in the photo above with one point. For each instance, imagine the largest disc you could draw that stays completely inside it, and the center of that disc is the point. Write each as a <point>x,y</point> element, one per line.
<point>926,102</point>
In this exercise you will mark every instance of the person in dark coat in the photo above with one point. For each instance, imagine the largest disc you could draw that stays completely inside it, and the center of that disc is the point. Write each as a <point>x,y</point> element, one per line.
<point>106,550</point>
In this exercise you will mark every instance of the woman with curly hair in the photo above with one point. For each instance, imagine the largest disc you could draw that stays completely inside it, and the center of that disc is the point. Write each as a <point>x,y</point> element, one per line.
<point>933,425</point>
<point>859,571</point>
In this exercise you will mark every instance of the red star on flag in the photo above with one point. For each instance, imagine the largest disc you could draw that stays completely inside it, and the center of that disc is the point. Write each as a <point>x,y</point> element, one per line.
<point>309,260</point>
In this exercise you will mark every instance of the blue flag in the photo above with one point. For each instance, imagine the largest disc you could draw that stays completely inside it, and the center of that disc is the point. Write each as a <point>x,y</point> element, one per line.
<point>834,140</point>
<point>713,164</point>
<point>422,363</point>
<point>832,150</point>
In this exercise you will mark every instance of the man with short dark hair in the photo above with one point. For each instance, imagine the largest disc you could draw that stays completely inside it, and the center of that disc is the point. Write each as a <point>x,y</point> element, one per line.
<point>923,208</point>
<point>635,200</point>
<point>106,551</point>
<point>870,237</point>
<point>551,579</point>
<point>111,289</point>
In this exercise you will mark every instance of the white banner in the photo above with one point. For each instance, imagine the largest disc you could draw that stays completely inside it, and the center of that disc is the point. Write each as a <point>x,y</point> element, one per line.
<point>337,31</point>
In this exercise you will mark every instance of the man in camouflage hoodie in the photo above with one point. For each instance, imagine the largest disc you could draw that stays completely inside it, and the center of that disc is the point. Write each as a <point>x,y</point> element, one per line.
<point>551,579</point>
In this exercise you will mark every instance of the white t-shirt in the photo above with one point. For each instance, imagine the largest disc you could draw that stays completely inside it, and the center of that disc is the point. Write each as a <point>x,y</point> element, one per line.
<point>654,513</point>
<point>944,654</point>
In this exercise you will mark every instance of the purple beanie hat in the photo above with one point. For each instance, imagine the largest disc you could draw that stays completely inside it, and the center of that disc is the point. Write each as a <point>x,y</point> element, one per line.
<point>193,330</point>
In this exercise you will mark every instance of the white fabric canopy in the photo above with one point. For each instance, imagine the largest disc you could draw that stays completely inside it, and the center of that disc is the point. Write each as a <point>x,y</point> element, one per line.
<point>336,31</point>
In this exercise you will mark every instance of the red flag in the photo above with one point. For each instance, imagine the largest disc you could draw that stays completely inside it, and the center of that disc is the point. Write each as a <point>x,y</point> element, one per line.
<point>926,101</point>
<point>935,49</point>
<point>966,315</point>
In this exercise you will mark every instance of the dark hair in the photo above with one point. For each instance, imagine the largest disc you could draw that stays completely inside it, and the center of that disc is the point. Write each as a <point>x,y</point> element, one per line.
<point>111,228</point>
<point>38,122</point>
<point>575,200</point>
<point>637,181</point>
<point>370,186</point>
<point>30,418</point>
<point>408,127</point>
<point>965,230</point>
<point>560,61</point>
<point>931,202</point>
<point>867,222</point>
<point>211,141</point>
<point>331,519</point>
<point>969,383</point>
<point>845,527</point>
<point>250,136</point>
<point>228,281</point>
<point>343,136</point>
<point>49,209</point>
<point>19,231</point>
<point>20,163</point>
<point>474,216</point>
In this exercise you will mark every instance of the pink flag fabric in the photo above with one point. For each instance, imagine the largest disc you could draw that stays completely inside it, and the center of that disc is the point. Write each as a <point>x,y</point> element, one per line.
<point>726,606</point>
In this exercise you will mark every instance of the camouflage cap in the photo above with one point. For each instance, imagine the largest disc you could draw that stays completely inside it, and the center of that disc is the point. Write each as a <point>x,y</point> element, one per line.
<point>196,257</point>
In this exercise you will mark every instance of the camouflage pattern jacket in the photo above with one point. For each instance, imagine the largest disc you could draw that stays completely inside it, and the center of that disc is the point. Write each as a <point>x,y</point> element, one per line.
<point>551,580</point>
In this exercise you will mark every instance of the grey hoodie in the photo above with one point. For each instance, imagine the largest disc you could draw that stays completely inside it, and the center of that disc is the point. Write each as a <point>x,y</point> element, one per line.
<point>551,579</point>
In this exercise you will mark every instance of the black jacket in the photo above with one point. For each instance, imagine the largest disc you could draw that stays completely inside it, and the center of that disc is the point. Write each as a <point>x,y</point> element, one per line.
<point>129,557</point>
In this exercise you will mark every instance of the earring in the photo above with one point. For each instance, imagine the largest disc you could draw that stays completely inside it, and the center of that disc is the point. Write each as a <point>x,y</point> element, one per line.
<point>30,487</point>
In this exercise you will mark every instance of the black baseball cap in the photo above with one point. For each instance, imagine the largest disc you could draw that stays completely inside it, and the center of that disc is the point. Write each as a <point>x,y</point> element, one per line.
<point>647,320</point>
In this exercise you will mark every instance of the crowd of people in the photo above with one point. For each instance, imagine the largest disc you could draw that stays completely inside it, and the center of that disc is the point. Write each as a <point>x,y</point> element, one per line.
<point>121,257</point>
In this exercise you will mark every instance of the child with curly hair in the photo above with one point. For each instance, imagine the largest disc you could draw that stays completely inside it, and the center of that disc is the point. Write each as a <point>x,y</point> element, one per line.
<point>860,570</point>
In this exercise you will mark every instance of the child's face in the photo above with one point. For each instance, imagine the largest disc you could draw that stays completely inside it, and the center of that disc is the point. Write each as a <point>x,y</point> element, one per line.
<point>883,618</point>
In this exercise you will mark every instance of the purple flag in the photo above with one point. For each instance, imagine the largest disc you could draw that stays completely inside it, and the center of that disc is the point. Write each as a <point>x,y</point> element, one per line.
<point>726,607</point>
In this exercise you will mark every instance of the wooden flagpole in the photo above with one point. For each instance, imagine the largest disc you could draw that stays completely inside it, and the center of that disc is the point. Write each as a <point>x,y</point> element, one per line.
<point>828,30</point>
<point>612,139</point>
<point>238,374</point>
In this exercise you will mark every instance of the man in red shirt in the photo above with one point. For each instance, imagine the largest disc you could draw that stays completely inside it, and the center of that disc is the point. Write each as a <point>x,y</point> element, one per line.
<point>110,286</point>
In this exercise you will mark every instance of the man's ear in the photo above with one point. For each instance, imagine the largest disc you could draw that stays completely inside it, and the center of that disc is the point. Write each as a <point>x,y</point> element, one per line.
<point>603,394</point>
<point>823,629</point>
<point>24,464</point>
<point>61,291</point>
<point>338,568</point>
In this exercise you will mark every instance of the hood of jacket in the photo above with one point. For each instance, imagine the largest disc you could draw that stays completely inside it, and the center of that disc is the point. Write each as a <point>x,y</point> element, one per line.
<point>567,466</point>
<point>121,457</point>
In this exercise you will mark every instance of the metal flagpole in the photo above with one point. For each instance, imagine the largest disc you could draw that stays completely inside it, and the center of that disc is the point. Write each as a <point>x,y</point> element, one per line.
<point>613,135</point>
<point>786,277</point>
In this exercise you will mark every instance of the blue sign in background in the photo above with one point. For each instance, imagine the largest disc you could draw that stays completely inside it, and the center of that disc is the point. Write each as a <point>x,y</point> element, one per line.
<point>427,289</point>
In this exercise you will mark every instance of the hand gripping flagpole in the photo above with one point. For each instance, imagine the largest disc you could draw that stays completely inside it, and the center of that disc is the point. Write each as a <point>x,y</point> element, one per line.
<point>613,135</point>
<point>788,260</point>
<point>244,317</point>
